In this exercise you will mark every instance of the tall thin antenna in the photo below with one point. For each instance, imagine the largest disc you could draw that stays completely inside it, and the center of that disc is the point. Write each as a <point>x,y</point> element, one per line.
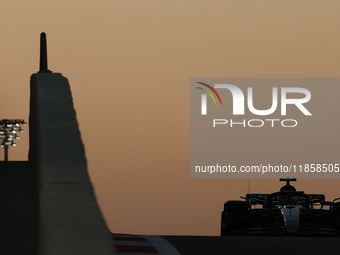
<point>43,54</point>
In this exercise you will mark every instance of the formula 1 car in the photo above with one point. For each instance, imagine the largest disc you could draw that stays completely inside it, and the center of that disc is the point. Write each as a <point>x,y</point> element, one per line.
<point>287,212</point>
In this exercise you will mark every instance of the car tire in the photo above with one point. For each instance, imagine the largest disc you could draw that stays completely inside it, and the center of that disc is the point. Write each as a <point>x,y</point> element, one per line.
<point>234,218</point>
<point>336,215</point>
<point>223,224</point>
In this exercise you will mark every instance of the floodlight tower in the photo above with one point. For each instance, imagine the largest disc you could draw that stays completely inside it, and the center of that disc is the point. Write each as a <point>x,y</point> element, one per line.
<point>8,132</point>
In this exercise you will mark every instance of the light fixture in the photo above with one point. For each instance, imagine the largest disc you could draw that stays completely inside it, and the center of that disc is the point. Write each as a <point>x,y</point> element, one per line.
<point>8,130</point>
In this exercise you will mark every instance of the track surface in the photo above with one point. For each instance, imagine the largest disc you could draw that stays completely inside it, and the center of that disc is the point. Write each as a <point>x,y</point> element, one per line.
<point>230,245</point>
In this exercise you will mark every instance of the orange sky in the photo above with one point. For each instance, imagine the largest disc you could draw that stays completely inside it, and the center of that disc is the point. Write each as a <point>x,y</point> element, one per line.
<point>129,61</point>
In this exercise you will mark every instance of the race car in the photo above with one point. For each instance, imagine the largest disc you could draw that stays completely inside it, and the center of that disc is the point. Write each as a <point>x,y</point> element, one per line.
<point>286,212</point>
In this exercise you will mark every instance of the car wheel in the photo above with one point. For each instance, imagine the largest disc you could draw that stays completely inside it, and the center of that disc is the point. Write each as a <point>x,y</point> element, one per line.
<point>336,215</point>
<point>223,224</point>
<point>235,217</point>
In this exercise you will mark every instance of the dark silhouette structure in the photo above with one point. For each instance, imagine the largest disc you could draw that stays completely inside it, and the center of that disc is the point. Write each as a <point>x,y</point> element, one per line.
<point>69,219</point>
<point>18,225</point>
